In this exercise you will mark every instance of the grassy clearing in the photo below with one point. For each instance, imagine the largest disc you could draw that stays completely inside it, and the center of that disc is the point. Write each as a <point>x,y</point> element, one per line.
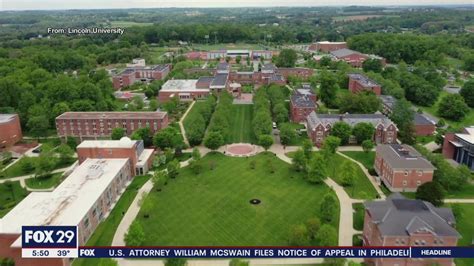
<point>365,158</point>
<point>358,221</point>
<point>11,193</point>
<point>25,166</point>
<point>300,137</point>
<point>213,208</point>
<point>104,233</point>
<point>465,226</point>
<point>44,182</point>
<point>466,192</point>
<point>241,125</point>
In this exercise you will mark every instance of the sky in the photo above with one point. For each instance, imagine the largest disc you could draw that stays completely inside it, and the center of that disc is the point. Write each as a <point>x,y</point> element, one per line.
<point>100,4</point>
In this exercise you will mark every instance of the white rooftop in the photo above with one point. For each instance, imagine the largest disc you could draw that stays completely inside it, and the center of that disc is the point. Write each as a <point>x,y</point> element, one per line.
<point>69,202</point>
<point>144,156</point>
<point>6,117</point>
<point>326,42</point>
<point>181,85</point>
<point>469,137</point>
<point>122,143</point>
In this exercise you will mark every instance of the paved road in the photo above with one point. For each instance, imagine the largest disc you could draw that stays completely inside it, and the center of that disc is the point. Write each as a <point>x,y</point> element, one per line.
<point>181,126</point>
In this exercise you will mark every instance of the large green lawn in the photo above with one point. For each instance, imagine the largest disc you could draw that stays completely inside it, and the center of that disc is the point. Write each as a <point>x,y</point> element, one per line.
<point>465,226</point>
<point>49,181</point>
<point>365,158</point>
<point>241,125</point>
<point>11,193</point>
<point>213,208</point>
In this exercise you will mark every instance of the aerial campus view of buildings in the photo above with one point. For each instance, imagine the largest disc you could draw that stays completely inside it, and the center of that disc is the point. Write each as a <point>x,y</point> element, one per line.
<point>106,165</point>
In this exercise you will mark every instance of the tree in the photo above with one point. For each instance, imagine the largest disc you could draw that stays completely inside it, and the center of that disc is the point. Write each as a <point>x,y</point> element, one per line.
<point>213,140</point>
<point>117,133</point>
<point>265,141</point>
<point>328,88</point>
<point>65,153</point>
<point>159,179</point>
<point>135,234</point>
<point>327,236</point>
<point>325,61</point>
<point>360,103</point>
<point>298,236</point>
<point>363,131</point>
<point>287,134</point>
<point>167,138</point>
<point>328,207</point>
<point>316,169</point>
<point>299,160</point>
<point>173,168</point>
<point>176,262</point>
<point>313,225</point>
<point>144,134</point>
<point>467,92</point>
<point>374,65</point>
<point>347,172</point>
<point>153,105</point>
<point>280,112</point>
<point>452,106</point>
<point>342,130</point>
<point>287,58</point>
<point>38,126</point>
<point>402,115</point>
<point>367,145</point>
<point>238,59</point>
<point>330,145</point>
<point>196,154</point>
<point>432,192</point>
<point>44,164</point>
<point>307,147</point>
<point>137,101</point>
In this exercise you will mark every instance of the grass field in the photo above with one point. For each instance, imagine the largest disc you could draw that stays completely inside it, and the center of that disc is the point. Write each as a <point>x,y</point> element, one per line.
<point>359,212</point>
<point>365,158</point>
<point>300,137</point>
<point>19,169</point>
<point>48,181</point>
<point>213,208</point>
<point>10,194</point>
<point>465,226</point>
<point>241,125</point>
<point>104,233</point>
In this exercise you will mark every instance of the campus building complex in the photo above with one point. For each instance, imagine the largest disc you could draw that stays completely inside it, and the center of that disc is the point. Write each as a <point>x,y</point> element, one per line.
<point>139,72</point>
<point>83,199</point>
<point>141,159</point>
<point>10,130</point>
<point>319,126</point>
<point>326,46</point>
<point>359,82</point>
<point>354,58</point>
<point>402,168</point>
<point>460,147</point>
<point>231,54</point>
<point>398,221</point>
<point>302,103</point>
<point>100,124</point>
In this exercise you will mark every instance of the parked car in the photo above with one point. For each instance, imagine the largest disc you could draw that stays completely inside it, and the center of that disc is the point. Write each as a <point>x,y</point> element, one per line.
<point>274,125</point>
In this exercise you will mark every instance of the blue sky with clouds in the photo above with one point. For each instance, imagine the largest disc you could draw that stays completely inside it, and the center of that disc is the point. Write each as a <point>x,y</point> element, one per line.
<point>92,4</point>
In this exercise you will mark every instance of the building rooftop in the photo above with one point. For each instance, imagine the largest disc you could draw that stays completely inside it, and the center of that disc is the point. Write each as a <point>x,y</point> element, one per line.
<point>363,80</point>
<point>219,81</point>
<point>388,100</point>
<point>113,115</point>
<point>420,119</point>
<point>403,157</point>
<point>269,67</point>
<point>69,202</point>
<point>398,216</point>
<point>5,118</point>
<point>124,142</point>
<point>223,66</point>
<point>181,85</point>
<point>343,52</point>
<point>315,119</point>
<point>326,42</point>
<point>467,135</point>
<point>302,101</point>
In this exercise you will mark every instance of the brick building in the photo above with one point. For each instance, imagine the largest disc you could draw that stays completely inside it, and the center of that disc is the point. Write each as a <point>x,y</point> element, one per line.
<point>359,82</point>
<point>100,124</point>
<point>84,199</point>
<point>319,126</point>
<point>398,221</point>
<point>388,103</point>
<point>423,125</point>
<point>10,130</point>
<point>326,46</point>
<point>354,58</point>
<point>137,72</point>
<point>402,168</point>
<point>141,159</point>
<point>302,103</point>
<point>459,147</point>
<point>300,72</point>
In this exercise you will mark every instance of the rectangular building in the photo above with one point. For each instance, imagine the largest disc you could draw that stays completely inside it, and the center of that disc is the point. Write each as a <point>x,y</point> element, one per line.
<point>139,72</point>
<point>100,124</point>
<point>460,147</point>
<point>84,199</point>
<point>183,89</point>
<point>141,159</point>
<point>402,168</point>
<point>359,82</point>
<point>10,130</point>
<point>319,126</point>
<point>398,221</point>
<point>326,46</point>
<point>423,125</point>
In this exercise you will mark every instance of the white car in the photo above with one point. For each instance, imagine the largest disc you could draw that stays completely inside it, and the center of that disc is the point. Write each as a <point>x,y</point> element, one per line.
<point>274,125</point>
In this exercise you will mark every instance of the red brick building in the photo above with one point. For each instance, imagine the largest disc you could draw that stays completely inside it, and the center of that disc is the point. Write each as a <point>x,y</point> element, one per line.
<point>10,130</point>
<point>141,159</point>
<point>319,126</point>
<point>84,199</point>
<point>423,125</point>
<point>458,147</point>
<point>100,124</point>
<point>402,168</point>
<point>302,103</point>
<point>326,46</point>
<point>398,221</point>
<point>300,72</point>
<point>140,73</point>
<point>354,58</point>
<point>359,82</point>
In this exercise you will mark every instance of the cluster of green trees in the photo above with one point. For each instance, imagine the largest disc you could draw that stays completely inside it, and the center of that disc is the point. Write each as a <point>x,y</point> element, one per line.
<point>360,103</point>
<point>313,232</point>
<point>262,116</point>
<point>362,131</point>
<point>218,131</point>
<point>277,96</point>
<point>196,124</point>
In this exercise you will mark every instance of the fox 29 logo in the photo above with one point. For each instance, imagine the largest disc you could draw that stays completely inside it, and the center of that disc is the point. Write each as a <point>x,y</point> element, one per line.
<point>49,236</point>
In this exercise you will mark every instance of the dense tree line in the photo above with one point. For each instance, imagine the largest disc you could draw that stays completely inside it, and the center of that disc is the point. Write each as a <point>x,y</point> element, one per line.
<point>197,122</point>
<point>218,131</point>
<point>262,118</point>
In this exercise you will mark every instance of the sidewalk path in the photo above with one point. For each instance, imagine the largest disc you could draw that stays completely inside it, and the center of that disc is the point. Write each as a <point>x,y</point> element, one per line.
<point>432,146</point>
<point>367,174</point>
<point>459,200</point>
<point>181,126</point>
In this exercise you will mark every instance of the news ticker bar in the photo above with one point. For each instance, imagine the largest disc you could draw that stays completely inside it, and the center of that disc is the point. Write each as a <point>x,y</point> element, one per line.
<point>251,252</point>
